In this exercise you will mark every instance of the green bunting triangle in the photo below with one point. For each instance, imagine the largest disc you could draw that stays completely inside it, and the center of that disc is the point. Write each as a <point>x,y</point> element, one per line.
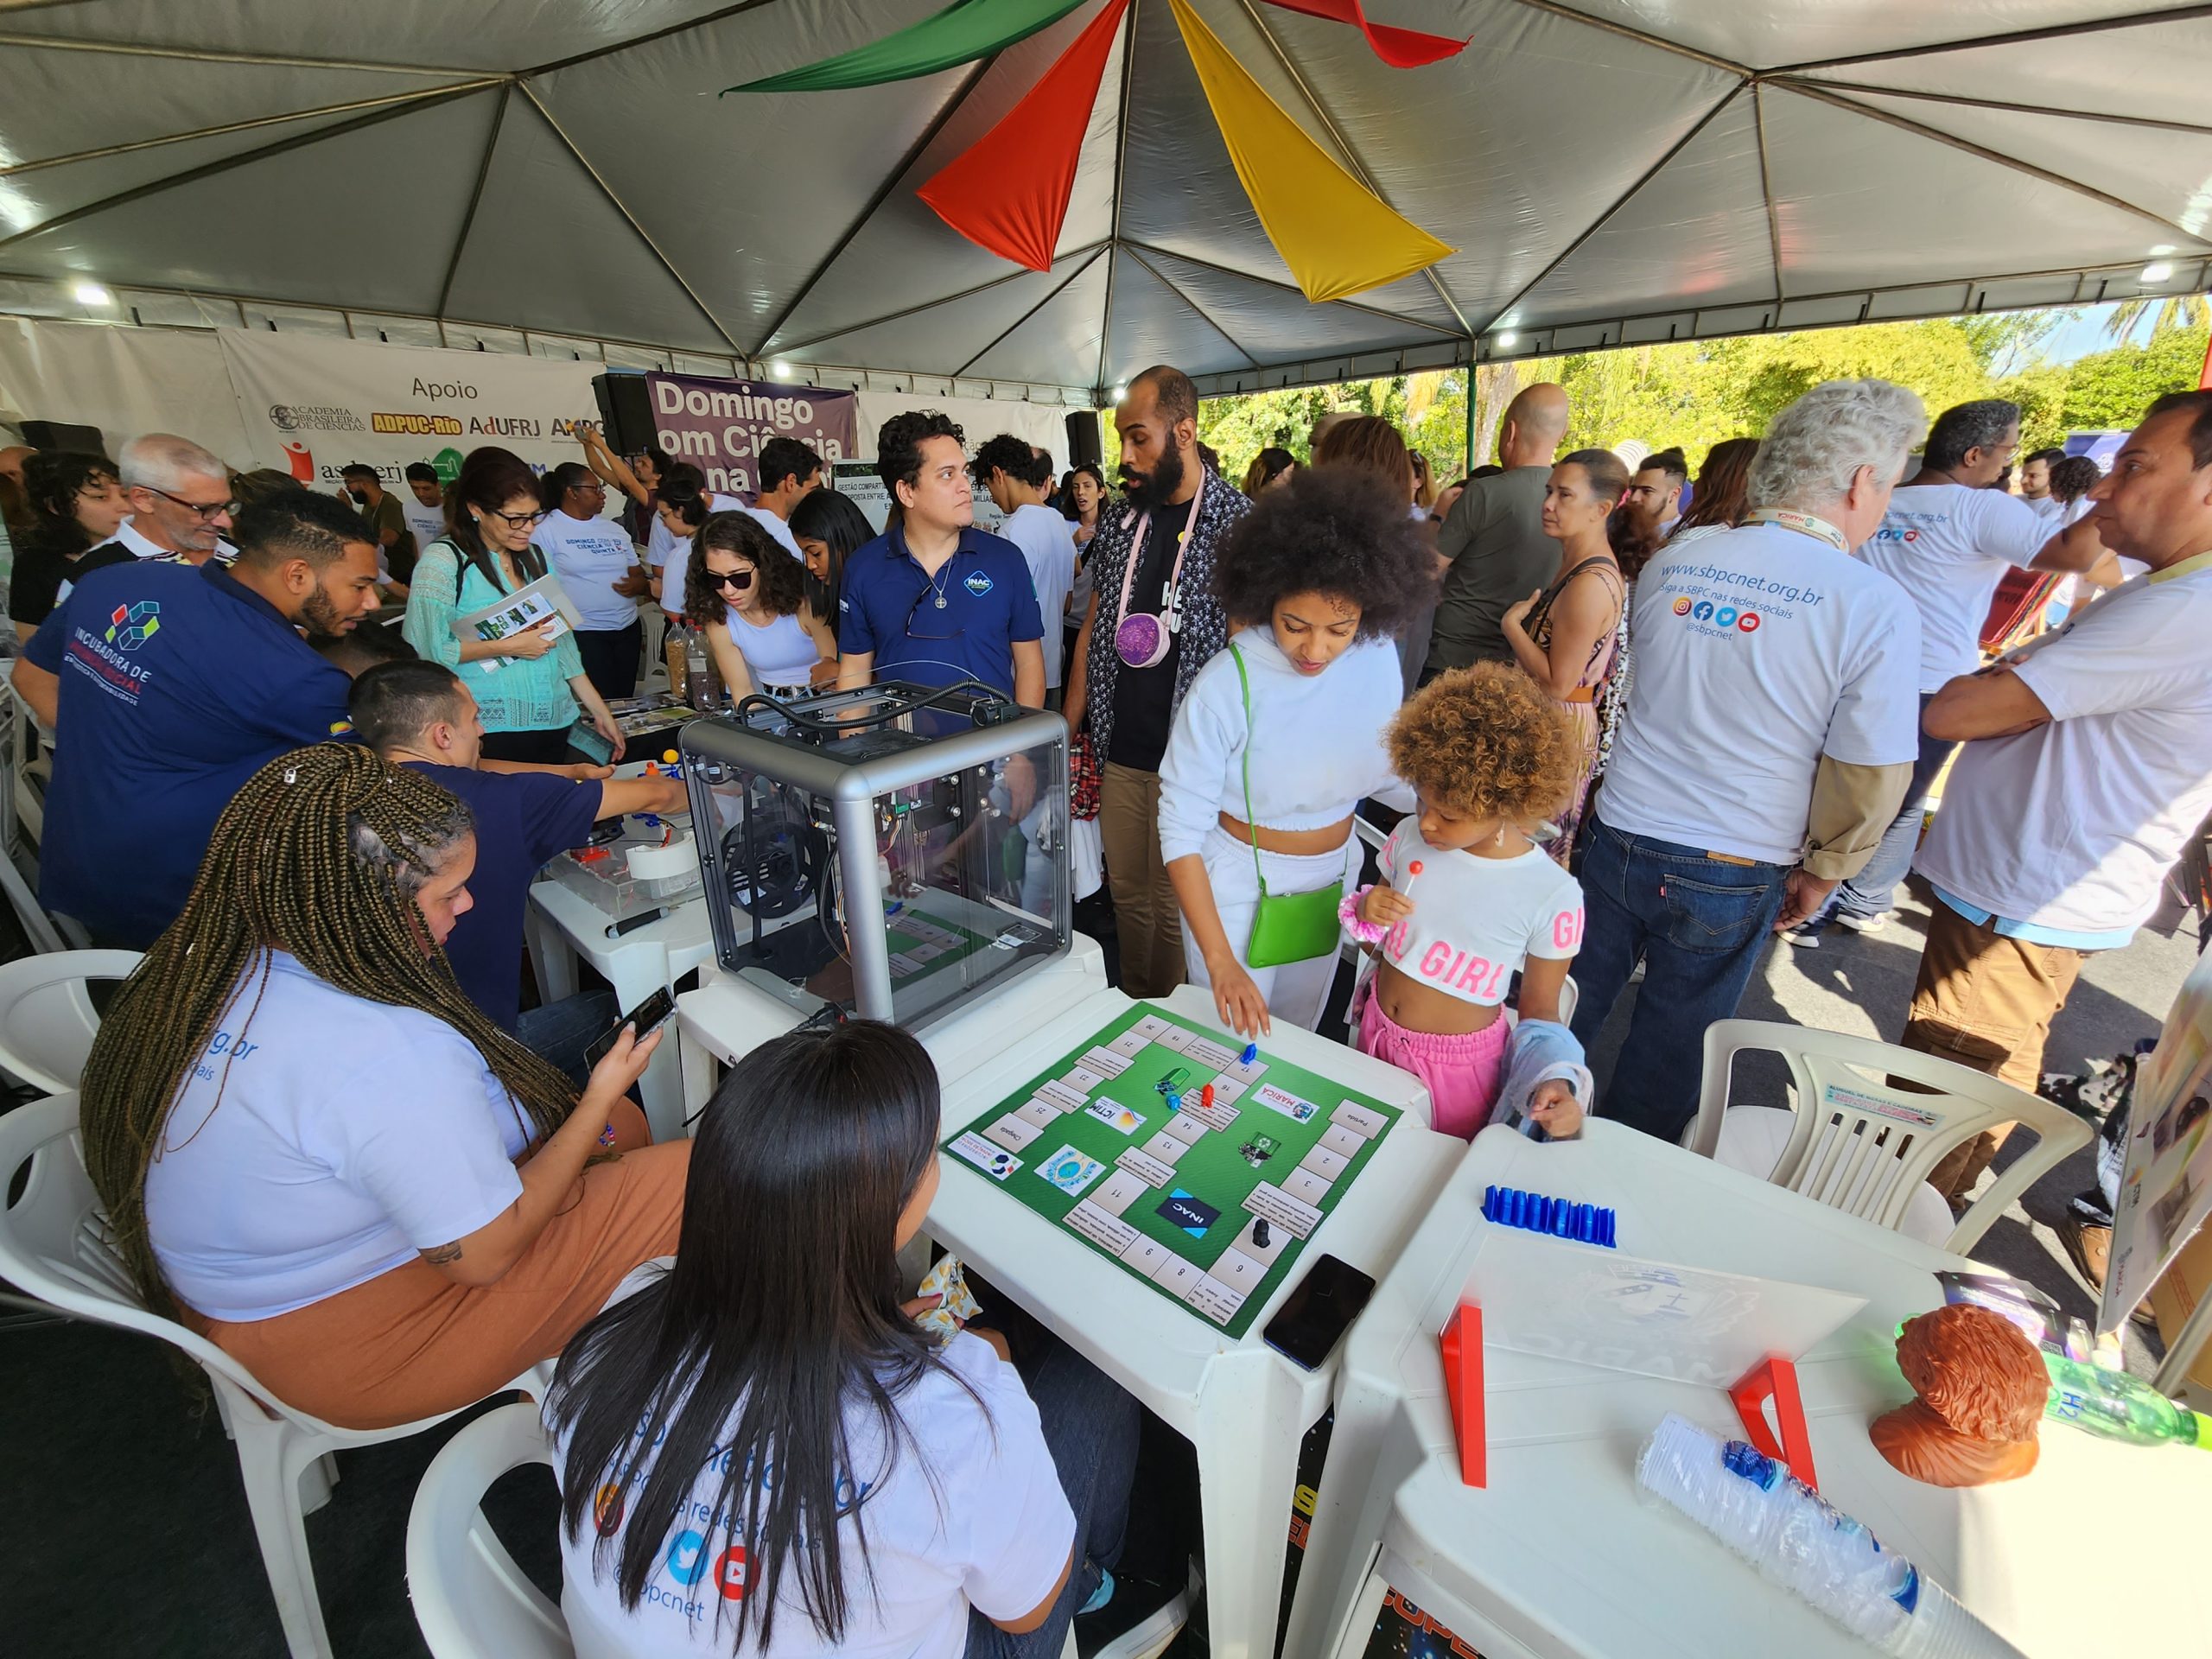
<point>963,32</point>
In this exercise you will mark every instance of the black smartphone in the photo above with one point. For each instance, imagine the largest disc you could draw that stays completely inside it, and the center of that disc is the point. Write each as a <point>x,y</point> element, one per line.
<point>646,1016</point>
<point>1309,1325</point>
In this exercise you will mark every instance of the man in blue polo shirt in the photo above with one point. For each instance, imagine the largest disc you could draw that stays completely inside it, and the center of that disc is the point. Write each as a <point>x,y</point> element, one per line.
<point>168,686</point>
<point>419,715</point>
<point>933,600</point>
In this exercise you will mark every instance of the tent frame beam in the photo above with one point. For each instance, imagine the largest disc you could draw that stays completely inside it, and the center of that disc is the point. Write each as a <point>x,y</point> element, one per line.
<point>2010,37</point>
<point>1058,288</point>
<point>1198,310</point>
<point>1285,287</point>
<point>1120,160</point>
<point>919,306</point>
<point>1766,187</point>
<point>204,54</point>
<point>475,196</point>
<point>2159,123</point>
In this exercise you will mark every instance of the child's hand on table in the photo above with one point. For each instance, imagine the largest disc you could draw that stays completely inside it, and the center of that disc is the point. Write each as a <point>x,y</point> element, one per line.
<point>1554,1108</point>
<point>1384,906</point>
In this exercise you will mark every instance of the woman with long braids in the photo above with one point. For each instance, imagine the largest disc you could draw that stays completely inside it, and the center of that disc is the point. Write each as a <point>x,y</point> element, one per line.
<point>317,1152</point>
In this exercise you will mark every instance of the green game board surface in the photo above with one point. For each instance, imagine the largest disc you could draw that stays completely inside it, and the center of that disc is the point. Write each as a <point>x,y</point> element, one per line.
<point>1108,1182</point>
<point>911,930</point>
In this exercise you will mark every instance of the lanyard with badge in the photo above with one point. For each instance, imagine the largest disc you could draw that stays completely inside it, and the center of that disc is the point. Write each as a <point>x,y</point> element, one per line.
<point>1803,523</point>
<point>1143,640</point>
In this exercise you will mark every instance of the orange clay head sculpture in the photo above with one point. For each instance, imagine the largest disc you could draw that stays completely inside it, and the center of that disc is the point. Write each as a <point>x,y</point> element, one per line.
<point>1980,1386</point>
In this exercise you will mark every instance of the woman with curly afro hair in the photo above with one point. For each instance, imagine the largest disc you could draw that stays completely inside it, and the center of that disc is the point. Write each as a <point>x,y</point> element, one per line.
<point>1490,756</point>
<point>1280,734</point>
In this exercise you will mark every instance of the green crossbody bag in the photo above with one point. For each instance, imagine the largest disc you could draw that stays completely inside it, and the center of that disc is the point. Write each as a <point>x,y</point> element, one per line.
<point>1285,926</point>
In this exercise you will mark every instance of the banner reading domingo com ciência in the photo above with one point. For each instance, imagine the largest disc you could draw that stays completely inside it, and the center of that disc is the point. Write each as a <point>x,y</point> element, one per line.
<point>312,406</point>
<point>718,426</point>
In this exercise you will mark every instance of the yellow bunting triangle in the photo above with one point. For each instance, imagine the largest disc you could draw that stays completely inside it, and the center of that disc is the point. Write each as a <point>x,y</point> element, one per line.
<point>1338,237</point>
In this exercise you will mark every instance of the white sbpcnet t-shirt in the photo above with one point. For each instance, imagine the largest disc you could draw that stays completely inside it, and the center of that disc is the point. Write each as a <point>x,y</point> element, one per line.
<point>1946,546</point>
<point>1047,544</point>
<point>428,523</point>
<point>661,546</point>
<point>1477,921</point>
<point>590,556</point>
<point>2073,826</point>
<point>1758,651</point>
<point>350,1137</point>
<point>985,1525</point>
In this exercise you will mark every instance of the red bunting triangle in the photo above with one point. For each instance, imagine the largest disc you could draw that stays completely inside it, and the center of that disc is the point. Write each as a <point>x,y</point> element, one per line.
<point>1402,49</point>
<point>1007,192</point>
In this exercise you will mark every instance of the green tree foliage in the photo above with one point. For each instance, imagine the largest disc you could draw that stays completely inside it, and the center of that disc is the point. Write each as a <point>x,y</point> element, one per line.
<point>2112,388</point>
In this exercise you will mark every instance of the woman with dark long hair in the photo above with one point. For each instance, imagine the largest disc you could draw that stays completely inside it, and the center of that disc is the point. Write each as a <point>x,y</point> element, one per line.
<point>73,502</point>
<point>830,528</point>
<point>1272,466</point>
<point>314,1149</point>
<point>1717,503</point>
<point>749,595</point>
<point>1564,636</point>
<point>529,682</point>
<point>761,1444</point>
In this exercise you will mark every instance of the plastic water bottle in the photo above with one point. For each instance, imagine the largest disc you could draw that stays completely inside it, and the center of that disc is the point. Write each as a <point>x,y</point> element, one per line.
<point>698,685</point>
<point>2119,1407</point>
<point>1754,1505</point>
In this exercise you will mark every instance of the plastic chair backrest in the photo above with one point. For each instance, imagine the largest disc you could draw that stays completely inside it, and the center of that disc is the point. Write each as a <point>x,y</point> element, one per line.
<point>1862,1146</point>
<point>471,1600</point>
<point>47,1020</point>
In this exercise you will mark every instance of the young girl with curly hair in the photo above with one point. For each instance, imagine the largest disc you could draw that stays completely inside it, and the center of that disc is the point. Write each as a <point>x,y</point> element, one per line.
<point>1281,734</point>
<point>1467,897</point>
<point>750,597</point>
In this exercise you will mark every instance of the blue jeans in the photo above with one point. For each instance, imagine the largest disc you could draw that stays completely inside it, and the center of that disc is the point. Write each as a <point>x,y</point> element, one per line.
<point>1699,925</point>
<point>561,1032</point>
<point>1091,1427</point>
<point>1869,892</point>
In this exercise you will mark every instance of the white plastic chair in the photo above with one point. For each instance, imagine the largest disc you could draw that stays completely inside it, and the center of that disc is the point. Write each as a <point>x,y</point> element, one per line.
<point>1864,1147</point>
<point>471,1600</point>
<point>53,1245</point>
<point>46,1018</point>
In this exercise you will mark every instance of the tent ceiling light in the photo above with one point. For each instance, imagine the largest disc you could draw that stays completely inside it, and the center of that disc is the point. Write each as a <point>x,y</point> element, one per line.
<point>1507,340</point>
<point>92,294</point>
<point>1120,392</point>
<point>781,371</point>
<point>2157,271</point>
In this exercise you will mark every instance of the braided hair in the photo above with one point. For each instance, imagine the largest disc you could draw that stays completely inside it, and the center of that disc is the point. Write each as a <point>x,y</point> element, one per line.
<point>321,853</point>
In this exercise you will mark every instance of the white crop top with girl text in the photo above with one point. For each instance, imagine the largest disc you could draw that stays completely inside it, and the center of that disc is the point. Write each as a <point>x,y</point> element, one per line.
<point>1475,921</point>
<point>1316,742</point>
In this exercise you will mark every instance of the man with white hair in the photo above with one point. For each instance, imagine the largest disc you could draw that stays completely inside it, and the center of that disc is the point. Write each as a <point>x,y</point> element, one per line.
<point>180,503</point>
<point>1768,739</point>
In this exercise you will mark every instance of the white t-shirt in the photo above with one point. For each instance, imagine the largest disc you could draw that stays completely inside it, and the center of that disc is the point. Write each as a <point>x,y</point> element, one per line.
<point>985,1525</point>
<point>428,523</point>
<point>1047,542</point>
<point>778,528</point>
<point>661,547</point>
<point>1477,921</point>
<point>590,556</point>
<point>1946,545</point>
<point>1758,650</point>
<point>350,1136</point>
<point>1316,742</point>
<point>2073,826</point>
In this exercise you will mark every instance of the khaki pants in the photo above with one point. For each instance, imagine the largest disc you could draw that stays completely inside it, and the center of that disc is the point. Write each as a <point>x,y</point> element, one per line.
<point>1147,920</point>
<point>411,1343</point>
<point>1987,1002</point>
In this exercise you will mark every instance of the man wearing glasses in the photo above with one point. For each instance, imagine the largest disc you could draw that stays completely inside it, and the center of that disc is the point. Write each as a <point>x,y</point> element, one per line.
<point>180,503</point>
<point>1948,537</point>
<point>933,600</point>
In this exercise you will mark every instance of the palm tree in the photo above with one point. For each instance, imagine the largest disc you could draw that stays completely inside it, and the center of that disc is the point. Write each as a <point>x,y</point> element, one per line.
<point>2176,311</point>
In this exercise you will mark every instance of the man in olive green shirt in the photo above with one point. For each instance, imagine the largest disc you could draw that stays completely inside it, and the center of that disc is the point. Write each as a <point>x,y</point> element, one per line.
<point>1493,549</point>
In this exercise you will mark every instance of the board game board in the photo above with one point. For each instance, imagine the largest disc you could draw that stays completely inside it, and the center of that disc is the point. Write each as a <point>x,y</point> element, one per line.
<point>1212,1203</point>
<point>921,945</point>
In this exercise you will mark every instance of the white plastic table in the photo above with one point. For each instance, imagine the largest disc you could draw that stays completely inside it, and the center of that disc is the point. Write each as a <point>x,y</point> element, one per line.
<point>1242,1406</point>
<point>562,925</point>
<point>2097,1551</point>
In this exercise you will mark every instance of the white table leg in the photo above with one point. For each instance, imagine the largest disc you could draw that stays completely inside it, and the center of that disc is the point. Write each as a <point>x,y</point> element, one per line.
<point>1247,1436</point>
<point>701,1074</point>
<point>1362,1474</point>
<point>637,974</point>
<point>552,958</point>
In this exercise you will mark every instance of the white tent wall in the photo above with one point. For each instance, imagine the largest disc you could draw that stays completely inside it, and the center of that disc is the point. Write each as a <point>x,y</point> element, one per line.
<point>124,381</point>
<point>980,418</point>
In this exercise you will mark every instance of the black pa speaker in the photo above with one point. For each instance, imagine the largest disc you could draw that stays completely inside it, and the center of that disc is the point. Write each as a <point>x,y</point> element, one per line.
<point>1084,447</point>
<point>60,435</point>
<point>626,412</point>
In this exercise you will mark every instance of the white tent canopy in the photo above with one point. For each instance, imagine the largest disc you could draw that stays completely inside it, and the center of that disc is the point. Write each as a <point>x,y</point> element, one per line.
<point>1609,171</point>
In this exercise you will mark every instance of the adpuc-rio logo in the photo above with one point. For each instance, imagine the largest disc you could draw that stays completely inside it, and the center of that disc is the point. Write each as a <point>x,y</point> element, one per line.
<point>132,625</point>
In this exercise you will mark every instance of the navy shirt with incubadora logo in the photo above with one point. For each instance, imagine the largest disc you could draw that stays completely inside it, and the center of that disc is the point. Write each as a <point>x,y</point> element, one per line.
<point>990,605</point>
<point>177,684</point>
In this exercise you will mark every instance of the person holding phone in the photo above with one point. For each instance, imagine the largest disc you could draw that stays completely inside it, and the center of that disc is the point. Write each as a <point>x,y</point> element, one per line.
<point>420,715</point>
<point>530,685</point>
<point>317,1151</point>
<point>760,1452</point>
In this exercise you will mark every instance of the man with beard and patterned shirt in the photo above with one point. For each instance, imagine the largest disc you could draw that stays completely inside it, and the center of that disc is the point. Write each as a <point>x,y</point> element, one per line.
<point>1152,624</point>
<point>171,685</point>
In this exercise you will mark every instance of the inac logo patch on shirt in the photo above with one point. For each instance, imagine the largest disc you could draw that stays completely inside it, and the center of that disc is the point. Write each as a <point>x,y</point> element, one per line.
<point>978,584</point>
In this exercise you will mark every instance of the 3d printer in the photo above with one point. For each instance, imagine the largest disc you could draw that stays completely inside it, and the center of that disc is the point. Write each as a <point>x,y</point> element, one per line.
<point>925,828</point>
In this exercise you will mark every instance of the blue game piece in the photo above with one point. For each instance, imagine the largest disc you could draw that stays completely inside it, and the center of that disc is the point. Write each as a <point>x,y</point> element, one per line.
<point>1508,1206</point>
<point>1174,1102</point>
<point>1251,1053</point>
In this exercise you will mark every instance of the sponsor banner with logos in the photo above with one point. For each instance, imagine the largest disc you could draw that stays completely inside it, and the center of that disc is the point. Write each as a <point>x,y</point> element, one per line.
<point>312,406</point>
<point>718,426</point>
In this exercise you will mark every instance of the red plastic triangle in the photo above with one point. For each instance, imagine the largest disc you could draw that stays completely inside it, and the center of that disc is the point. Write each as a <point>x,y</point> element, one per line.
<point>1402,49</point>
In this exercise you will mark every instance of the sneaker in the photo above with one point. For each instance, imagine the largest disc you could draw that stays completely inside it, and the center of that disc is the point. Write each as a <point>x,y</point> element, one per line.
<point>1800,938</point>
<point>1139,1618</point>
<point>1864,924</point>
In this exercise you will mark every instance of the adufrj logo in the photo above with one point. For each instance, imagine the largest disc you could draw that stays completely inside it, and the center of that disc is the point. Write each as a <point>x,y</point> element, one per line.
<point>132,625</point>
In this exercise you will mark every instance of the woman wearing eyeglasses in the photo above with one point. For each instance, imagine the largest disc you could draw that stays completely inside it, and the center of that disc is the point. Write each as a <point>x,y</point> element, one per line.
<point>750,596</point>
<point>529,685</point>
